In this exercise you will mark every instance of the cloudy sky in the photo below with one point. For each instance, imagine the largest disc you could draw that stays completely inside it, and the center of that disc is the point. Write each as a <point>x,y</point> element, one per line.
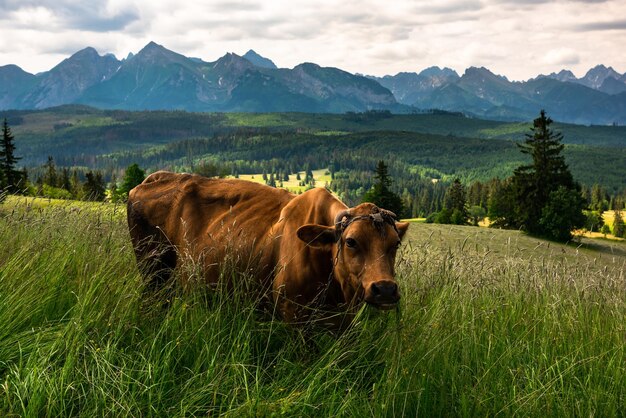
<point>516,38</point>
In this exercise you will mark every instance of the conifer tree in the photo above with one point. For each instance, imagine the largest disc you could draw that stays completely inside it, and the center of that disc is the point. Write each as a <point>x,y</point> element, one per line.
<point>545,186</point>
<point>64,180</point>
<point>75,186</point>
<point>11,177</point>
<point>381,195</point>
<point>94,188</point>
<point>50,174</point>
<point>455,202</point>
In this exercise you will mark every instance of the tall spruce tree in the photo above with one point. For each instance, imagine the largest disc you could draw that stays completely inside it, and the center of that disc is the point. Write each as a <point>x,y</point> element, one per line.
<point>94,187</point>
<point>50,174</point>
<point>535,186</point>
<point>381,195</point>
<point>11,177</point>
<point>456,203</point>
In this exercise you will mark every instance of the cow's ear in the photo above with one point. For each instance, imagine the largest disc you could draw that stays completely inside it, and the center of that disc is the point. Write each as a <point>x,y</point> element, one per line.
<point>317,235</point>
<point>402,227</point>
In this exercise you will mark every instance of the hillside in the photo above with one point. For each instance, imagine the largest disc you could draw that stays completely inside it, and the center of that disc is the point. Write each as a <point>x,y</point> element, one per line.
<point>491,322</point>
<point>436,146</point>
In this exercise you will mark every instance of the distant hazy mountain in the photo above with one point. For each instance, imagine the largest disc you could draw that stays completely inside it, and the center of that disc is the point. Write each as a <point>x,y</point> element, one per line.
<point>563,75</point>
<point>612,85</point>
<point>66,82</point>
<point>596,76</point>
<point>157,78</point>
<point>409,87</point>
<point>481,93</point>
<point>258,60</point>
<point>14,83</point>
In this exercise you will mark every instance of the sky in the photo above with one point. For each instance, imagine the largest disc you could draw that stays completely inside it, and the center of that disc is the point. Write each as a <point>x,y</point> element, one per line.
<point>515,38</point>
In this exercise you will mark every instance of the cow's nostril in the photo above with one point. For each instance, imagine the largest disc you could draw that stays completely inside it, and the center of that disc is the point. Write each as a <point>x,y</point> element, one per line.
<point>375,289</point>
<point>391,289</point>
<point>384,289</point>
<point>394,288</point>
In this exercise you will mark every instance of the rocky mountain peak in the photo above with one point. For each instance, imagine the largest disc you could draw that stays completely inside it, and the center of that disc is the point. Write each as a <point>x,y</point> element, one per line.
<point>259,60</point>
<point>596,76</point>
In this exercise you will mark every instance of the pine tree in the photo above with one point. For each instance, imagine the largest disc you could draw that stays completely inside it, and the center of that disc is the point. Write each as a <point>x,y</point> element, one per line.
<point>94,188</point>
<point>533,185</point>
<point>455,202</point>
<point>272,180</point>
<point>75,186</point>
<point>64,180</point>
<point>11,177</point>
<point>381,195</point>
<point>50,174</point>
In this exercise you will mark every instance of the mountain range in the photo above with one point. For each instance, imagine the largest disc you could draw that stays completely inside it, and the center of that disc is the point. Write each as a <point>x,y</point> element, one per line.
<point>156,78</point>
<point>597,98</point>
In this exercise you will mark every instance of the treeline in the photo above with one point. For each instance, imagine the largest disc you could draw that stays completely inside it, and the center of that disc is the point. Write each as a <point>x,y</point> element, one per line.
<point>541,197</point>
<point>79,183</point>
<point>255,150</point>
<point>422,166</point>
<point>425,168</point>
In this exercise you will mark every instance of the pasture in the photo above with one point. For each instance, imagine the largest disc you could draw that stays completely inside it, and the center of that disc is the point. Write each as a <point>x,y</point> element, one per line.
<point>322,179</point>
<point>491,323</point>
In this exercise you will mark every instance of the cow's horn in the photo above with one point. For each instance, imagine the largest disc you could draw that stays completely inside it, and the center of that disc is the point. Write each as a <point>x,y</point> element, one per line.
<point>341,215</point>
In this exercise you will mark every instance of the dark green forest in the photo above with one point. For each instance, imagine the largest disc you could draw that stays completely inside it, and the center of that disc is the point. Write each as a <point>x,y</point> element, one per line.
<point>424,152</point>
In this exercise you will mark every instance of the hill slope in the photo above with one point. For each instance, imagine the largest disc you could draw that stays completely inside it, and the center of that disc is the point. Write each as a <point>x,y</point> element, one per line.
<point>486,318</point>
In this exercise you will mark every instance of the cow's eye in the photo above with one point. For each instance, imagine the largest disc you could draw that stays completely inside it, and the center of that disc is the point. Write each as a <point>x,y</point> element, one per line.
<point>350,242</point>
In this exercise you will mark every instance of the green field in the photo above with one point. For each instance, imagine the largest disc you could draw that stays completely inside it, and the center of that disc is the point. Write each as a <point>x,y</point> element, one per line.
<point>491,323</point>
<point>321,177</point>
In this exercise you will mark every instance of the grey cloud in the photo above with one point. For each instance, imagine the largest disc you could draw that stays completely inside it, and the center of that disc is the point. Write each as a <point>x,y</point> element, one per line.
<point>97,23</point>
<point>67,48</point>
<point>84,15</point>
<point>521,2</point>
<point>455,6</point>
<point>234,6</point>
<point>357,18</point>
<point>600,26</point>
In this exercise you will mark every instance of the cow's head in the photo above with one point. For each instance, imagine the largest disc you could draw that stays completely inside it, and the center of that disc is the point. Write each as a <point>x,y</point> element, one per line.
<point>363,244</point>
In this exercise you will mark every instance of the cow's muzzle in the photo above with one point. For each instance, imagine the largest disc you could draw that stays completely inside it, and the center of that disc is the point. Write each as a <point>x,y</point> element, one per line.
<point>382,294</point>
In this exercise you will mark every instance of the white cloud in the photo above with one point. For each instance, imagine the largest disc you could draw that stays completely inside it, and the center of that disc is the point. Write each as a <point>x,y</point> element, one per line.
<point>562,56</point>
<point>516,38</point>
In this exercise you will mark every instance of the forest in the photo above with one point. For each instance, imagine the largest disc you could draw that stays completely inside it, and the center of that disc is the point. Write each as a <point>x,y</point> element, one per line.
<point>424,153</point>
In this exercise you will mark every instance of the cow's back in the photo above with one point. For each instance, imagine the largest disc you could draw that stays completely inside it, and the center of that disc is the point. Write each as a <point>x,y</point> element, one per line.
<point>204,220</point>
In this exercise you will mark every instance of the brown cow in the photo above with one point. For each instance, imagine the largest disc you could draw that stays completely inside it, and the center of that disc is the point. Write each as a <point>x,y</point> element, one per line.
<point>311,250</point>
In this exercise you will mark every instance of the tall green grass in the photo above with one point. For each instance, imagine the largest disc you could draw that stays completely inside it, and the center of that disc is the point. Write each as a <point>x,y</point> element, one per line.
<point>475,335</point>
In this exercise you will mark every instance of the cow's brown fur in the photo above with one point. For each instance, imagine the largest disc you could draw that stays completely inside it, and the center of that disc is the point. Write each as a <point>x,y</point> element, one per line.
<point>178,217</point>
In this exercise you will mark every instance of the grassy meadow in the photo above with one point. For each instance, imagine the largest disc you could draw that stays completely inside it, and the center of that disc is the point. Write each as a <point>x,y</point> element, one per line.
<point>491,323</point>
<point>322,179</point>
